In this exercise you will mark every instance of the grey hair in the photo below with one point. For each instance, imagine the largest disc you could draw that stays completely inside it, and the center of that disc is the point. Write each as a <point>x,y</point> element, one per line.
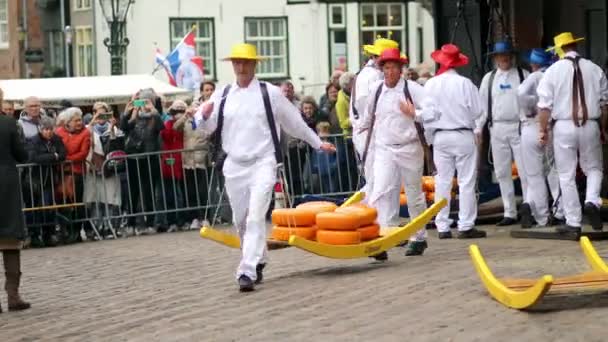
<point>70,114</point>
<point>345,79</point>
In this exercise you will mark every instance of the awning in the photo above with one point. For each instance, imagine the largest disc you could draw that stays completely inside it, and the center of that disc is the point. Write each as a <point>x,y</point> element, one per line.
<point>85,91</point>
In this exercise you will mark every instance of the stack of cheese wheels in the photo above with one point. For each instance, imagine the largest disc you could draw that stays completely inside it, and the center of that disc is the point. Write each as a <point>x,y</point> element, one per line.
<point>348,225</point>
<point>299,221</point>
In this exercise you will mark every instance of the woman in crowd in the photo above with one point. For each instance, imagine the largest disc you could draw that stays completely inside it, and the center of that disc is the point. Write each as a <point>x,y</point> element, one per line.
<point>142,126</point>
<point>195,166</point>
<point>12,225</point>
<point>102,190</point>
<point>46,150</point>
<point>328,111</point>
<point>310,111</point>
<point>77,142</point>
<point>171,165</point>
<point>206,90</point>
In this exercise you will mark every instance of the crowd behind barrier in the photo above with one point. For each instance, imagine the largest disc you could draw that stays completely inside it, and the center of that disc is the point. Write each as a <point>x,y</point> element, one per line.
<point>144,193</point>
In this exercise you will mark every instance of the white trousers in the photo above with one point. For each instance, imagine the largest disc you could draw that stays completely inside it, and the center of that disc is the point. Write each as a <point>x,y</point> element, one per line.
<point>249,189</point>
<point>456,151</point>
<point>359,140</point>
<point>506,147</point>
<point>568,140</point>
<point>538,169</point>
<point>393,167</point>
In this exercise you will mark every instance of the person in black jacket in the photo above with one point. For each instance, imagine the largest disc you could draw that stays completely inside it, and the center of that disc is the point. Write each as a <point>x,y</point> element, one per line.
<point>12,224</point>
<point>142,126</point>
<point>47,150</point>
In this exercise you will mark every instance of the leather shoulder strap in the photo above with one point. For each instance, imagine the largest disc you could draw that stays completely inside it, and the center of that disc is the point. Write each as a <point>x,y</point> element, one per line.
<point>220,117</point>
<point>490,86</point>
<point>271,123</point>
<point>419,128</point>
<point>520,72</point>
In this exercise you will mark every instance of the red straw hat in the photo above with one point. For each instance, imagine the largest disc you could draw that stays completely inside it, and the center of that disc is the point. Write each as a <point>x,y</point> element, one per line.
<point>392,55</point>
<point>449,56</point>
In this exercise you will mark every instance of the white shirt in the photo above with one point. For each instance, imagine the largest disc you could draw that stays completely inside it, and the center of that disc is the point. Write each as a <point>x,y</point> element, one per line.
<point>453,100</point>
<point>392,127</point>
<point>555,89</point>
<point>528,98</point>
<point>246,134</point>
<point>505,105</point>
<point>368,76</point>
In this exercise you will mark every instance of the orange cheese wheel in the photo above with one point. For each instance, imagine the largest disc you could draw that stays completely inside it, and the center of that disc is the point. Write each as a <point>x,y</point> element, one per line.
<point>369,232</point>
<point>366,214</point>
<point>402,190</point>
<point>338,221</point>
<point>283,233</point>
<point>514,171</point>
<point>428,184</point>
<point>318,207</point>
<point>332,237</point>
<point>293,217</point>
<point>430,196</point>
<point>402,199</point>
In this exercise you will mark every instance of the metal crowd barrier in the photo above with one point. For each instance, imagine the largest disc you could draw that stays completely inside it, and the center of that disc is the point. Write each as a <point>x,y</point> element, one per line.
<point>154,190</point>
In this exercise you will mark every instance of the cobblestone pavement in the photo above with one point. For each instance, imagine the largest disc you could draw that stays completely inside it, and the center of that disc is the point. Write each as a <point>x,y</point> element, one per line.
<point>177,287</point>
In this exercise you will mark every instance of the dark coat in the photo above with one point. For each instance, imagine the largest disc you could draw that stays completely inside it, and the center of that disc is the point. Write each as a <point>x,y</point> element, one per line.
<point>48,155</point>
<point>12,152</point>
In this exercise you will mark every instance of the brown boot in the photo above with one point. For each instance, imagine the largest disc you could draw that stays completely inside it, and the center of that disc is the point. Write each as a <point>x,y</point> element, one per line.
<point>12,266</point>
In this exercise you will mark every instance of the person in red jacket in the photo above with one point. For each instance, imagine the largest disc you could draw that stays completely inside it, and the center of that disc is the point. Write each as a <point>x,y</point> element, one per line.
<point>171,166</point>
<point>77,142</point>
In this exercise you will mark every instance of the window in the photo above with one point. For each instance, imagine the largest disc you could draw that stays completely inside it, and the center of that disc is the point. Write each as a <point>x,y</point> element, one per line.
<point>55,49</point>
<point>337,37</point>
<point>269,35</point>
<point>3,24</point>
<point>386,20</point>
<point>80,5</point>
<point>204,40</point>
<point>84,51</point>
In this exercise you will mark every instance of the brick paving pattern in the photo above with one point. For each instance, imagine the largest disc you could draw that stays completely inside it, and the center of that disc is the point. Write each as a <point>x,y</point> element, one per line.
<point>178,287</point>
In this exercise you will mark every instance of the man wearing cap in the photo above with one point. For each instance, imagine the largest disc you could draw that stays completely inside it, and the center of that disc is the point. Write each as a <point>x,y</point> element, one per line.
<point>248,135</point>
<point>398,154</point>
<point>501,111</point>
<point>574,93</point>
<point>360,96</point>
<point>538,166</point>
<point>455,103</point>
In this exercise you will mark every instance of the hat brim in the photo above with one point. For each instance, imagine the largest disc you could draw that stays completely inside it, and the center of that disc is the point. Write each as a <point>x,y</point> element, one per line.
<point>508,52</point>
<point>401,60</point>
<point>370,50</point>
<point>566,43</point>
<point>439,57</point>
<point>250,58</point>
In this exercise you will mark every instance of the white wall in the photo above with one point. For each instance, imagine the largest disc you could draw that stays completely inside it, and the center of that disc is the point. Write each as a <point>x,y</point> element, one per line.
<point>148,27</point>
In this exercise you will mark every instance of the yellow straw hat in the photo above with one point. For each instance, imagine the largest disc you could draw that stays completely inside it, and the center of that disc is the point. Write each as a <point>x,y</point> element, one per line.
<point>380,45</point>
<point>244,51</point>
<point>564,39</point>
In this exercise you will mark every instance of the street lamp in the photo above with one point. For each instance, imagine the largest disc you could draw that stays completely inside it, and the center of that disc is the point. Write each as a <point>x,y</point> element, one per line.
<point>115,12</point>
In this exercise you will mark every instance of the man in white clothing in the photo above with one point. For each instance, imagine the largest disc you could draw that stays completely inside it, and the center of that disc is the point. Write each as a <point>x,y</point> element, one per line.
<point>398,154</point>
<point>501,111</point>
<point>574,93</point>
<point>455,103</point>
<point>538,165</point>
<point>240,114</point>
<point>359,99</point>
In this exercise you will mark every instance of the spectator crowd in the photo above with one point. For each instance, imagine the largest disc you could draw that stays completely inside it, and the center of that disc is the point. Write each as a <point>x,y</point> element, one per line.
<point>148,169</point>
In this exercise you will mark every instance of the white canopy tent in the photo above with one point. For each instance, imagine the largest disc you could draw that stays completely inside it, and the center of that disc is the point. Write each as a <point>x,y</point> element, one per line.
<point>85,91</point>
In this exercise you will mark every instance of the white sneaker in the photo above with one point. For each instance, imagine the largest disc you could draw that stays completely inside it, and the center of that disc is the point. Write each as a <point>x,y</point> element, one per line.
<point>196,224</point>
<point>150,231</point>
<point>172,228</point>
